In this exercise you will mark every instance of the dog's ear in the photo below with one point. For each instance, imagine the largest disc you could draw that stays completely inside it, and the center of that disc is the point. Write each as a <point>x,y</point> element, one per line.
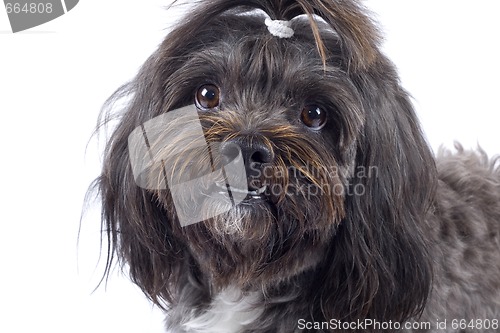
<point>379,266</point>
<point>139,230</point>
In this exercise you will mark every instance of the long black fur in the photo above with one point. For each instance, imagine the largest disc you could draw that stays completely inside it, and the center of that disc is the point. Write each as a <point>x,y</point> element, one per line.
<point>415,244</point>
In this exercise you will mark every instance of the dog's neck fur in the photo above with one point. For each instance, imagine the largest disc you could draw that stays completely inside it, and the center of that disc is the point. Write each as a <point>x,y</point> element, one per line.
<point>228,312</point>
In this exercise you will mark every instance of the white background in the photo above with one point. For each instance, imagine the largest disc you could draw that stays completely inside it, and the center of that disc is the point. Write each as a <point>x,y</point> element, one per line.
<point>55,77</point>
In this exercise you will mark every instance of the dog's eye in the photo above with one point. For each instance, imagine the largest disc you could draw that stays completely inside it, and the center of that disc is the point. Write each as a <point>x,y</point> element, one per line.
<point>313,116</point>
<point>207,97</point>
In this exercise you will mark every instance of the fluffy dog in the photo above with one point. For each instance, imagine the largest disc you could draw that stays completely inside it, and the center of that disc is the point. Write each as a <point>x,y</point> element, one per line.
<point>345,220</point>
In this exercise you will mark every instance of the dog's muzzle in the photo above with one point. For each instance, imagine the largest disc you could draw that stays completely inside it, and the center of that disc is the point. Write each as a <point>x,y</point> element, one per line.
<point>256,156</point>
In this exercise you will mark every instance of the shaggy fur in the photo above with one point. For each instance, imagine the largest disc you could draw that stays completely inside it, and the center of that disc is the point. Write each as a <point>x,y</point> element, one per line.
<point>386,235</point>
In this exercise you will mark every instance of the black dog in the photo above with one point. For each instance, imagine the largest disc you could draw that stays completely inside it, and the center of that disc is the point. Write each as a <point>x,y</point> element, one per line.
<point>343,221</point>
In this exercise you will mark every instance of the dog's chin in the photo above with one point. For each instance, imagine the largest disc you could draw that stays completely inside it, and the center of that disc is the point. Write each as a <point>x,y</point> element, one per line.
<point>247,215</point>
<point>258,242</point>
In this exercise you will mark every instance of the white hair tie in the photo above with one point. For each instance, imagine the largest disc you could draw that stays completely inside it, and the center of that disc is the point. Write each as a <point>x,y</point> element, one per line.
<point>279,28</point>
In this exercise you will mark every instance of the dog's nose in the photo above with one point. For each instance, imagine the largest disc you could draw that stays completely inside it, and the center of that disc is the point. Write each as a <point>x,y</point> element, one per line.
<point>255,154</point>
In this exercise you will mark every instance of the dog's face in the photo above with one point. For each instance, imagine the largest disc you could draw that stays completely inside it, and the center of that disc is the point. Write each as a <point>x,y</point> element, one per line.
<point>337,174</point>
<point>295,123</point>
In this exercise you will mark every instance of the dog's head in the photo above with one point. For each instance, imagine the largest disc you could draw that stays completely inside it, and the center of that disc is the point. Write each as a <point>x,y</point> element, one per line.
<point>337,176</point>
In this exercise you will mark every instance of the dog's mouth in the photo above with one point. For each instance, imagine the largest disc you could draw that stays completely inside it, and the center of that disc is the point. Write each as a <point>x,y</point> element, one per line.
<point>251,194</point>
